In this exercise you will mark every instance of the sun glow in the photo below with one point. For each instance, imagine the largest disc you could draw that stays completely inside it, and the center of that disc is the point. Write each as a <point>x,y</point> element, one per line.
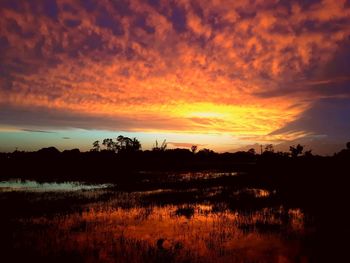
<point>207,114</point>
<point>238,120</point>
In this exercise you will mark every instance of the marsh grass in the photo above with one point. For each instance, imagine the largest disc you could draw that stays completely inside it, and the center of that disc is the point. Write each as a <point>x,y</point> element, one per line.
<point>121,226</point>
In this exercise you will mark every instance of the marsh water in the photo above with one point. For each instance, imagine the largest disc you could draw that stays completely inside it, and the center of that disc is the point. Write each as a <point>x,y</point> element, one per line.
<point>99,223</point>
<point>30,186</point>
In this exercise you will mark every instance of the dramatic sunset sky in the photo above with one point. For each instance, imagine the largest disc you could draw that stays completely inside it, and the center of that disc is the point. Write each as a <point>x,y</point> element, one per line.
<point>221,74</point>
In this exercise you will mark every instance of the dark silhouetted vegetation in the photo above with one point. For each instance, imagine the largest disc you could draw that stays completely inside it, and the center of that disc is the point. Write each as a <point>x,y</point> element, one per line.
<point>317,185</point>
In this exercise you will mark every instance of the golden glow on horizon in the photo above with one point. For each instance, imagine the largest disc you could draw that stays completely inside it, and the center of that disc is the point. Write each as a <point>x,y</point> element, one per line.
<point>254,118</point>
<point>235,119</point>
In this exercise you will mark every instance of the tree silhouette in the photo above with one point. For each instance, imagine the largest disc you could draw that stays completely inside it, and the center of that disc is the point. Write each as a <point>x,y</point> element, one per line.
<point>269,148</point>
<point>308,153</point>
<point>206,152</point>
<point>109,144</point>
<point>296,150</point>
<point>251,151</point>
<point>161,148</point>
<point>126,144</point>
<point>194,148</point>
<point>96,146</point>
<point>348,145</point>
<point>122,143</point>
<point>136,145</point>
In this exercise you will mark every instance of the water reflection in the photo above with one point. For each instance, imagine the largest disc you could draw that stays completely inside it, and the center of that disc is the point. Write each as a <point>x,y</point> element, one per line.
<point>209,221</point>
<point>253,191</point>
<point>187,176</point>
<point>202,175</point>
<point>29,186</point>
<point>110,232</point>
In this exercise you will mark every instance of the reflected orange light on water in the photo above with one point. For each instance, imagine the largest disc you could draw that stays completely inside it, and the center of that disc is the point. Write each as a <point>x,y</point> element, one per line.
<point>196,234</point>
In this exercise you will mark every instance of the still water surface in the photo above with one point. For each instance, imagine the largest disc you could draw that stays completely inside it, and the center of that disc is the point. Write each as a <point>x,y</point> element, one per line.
<point>104,225</point>
<point>27,185</point>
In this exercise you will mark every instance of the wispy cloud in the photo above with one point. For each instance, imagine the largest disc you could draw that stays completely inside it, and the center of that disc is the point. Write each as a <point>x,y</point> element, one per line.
<point>40,131</point>
<point>185,144</point>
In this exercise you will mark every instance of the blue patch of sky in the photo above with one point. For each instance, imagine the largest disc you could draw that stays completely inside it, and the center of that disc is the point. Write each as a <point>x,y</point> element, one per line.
<point>83,139</point>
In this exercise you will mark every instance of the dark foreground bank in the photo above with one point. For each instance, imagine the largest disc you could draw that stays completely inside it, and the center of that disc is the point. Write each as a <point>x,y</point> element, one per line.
<point>176,206</point>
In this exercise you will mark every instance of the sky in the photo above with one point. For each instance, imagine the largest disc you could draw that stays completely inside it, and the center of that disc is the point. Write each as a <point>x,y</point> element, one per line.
<point>215,73</point>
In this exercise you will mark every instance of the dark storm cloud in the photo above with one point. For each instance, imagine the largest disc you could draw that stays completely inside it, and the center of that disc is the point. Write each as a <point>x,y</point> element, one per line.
<point>141,22</point>
<point>305,4</point>
<point>89,5</point>
<point>4,43</point>
<point>329,80</point>
<point>122,7</point>
<point>50,8</point>
<point>178,18</point>
<point>328,117</point>
<point>106,20</point>
<point>16,5</point>
<point>72,22</point>
<point>12,26</point>
<point>329,85</point>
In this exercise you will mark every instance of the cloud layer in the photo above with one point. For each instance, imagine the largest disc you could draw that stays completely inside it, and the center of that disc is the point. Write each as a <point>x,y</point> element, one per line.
<point>244,67</point>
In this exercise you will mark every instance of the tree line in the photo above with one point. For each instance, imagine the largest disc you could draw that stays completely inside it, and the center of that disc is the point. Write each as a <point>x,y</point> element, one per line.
<point>123,144</point>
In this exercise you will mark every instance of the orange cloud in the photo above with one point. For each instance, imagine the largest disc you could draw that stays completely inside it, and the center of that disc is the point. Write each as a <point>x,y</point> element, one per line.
<point>190,66</point>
